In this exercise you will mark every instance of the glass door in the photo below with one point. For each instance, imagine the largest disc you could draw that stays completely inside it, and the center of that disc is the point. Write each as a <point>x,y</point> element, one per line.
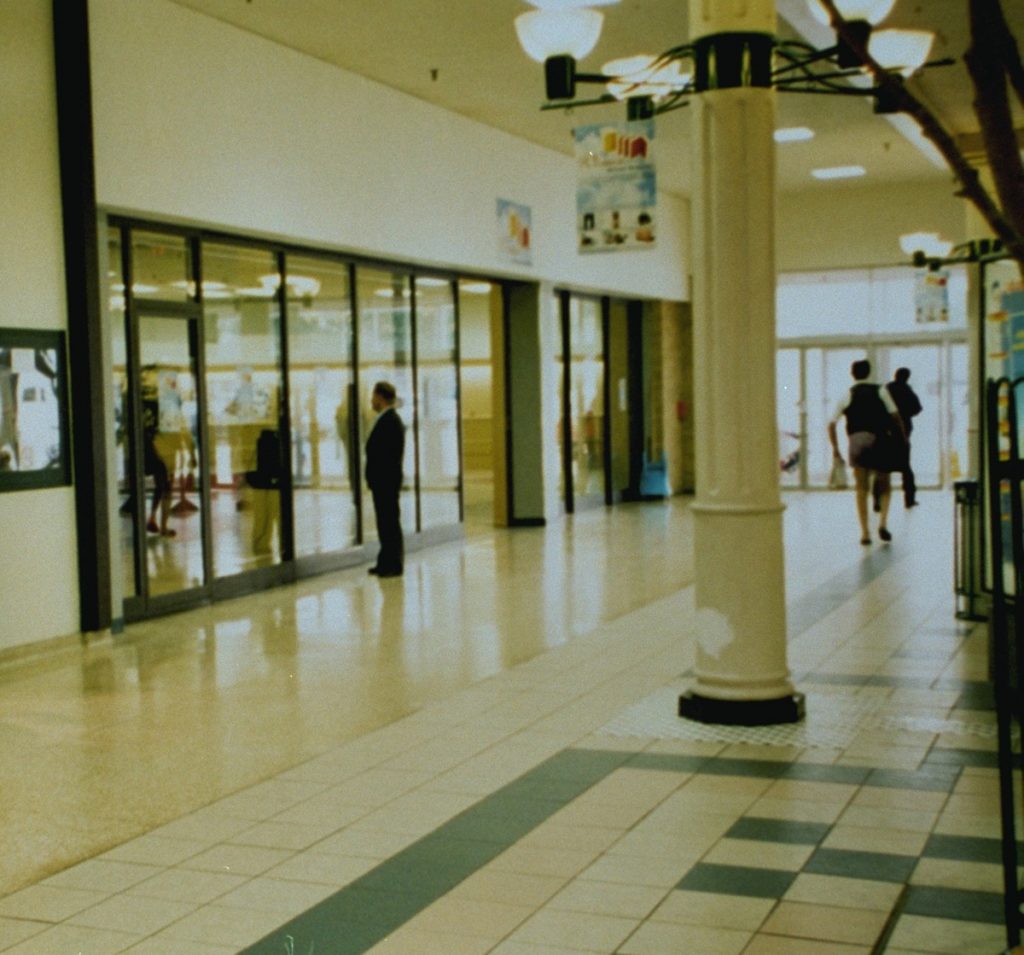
<point>169,522</point>
<point>321,381</point>
<point>827,382</point>
<point>789,406</point>
<point>587,374</point>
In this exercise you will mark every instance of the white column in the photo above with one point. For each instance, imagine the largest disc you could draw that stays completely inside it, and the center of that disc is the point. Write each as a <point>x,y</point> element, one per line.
<point>741,671</point>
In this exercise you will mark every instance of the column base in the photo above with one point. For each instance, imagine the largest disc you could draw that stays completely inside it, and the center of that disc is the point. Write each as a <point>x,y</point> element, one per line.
<point>706,709</point>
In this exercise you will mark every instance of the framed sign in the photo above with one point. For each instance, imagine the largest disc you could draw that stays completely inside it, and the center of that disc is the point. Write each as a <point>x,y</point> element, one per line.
<point>34,442</point>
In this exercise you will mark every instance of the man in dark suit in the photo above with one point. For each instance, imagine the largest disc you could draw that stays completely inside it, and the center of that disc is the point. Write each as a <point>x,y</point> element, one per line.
<point>384,449</point>
<point>908,405</point>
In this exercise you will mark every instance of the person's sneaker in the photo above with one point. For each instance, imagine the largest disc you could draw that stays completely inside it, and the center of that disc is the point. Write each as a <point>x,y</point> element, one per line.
<point>884,534</point>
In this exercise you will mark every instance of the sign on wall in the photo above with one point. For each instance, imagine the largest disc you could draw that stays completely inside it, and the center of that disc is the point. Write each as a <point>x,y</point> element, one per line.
<point>616,191</point>
<point>514,222</point>
<point>931,296</point>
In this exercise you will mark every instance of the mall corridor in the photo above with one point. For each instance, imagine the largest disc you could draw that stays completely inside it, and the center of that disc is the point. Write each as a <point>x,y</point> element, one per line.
<point>483,757</point>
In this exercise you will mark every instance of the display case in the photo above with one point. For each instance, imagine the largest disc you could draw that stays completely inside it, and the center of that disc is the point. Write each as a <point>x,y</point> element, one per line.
<point>34,445</point>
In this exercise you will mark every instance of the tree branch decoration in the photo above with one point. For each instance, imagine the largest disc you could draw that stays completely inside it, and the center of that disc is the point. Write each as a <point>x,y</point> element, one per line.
<point>993,61</point>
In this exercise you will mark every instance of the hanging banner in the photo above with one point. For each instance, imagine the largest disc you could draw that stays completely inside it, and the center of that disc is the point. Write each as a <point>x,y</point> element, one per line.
<point>931,296</point>
<point>616,192</point>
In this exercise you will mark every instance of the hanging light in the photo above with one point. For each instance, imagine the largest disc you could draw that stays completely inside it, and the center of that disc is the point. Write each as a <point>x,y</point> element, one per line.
<point>903,51</point>
<point>559,32</point>
<point>929,243</point>
<point>871,11</point>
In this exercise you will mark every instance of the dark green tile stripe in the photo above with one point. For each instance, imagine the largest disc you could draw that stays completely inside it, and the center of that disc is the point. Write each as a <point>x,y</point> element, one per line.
<point>779,830</point>
<point>850,864</point>
<point>959,904</point>
<point>368,910</point>
<point>737,880</point>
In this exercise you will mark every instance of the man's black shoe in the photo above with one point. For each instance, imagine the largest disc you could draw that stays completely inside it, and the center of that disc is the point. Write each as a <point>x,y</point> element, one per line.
<point>373,570</point>
<point>389,573</point>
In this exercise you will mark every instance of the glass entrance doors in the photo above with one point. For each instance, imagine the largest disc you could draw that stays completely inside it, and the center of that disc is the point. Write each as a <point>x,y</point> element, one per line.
<point>812,380</point>
<point>168,513</point>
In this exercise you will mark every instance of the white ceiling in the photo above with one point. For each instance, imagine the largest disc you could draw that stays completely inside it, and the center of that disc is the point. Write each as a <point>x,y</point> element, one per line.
<point>463,55</point>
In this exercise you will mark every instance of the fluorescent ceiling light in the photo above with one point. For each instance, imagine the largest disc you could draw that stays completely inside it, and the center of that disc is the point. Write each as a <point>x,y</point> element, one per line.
<point>904,51</point>
<point>429,281</point>
<point>839,172</point>
<point>793,134</point>
<point>475,288</point>
<point>546,33</point>
<point>874,11</point>
<point>570,4</point>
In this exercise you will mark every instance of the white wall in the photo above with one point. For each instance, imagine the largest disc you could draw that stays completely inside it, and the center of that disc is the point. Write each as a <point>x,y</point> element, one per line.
<point>200,121</point>
<point>853,226</point>
<point>39,577</point>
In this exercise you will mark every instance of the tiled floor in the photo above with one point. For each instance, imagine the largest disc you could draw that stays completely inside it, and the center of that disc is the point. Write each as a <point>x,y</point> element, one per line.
<point>484,758</point>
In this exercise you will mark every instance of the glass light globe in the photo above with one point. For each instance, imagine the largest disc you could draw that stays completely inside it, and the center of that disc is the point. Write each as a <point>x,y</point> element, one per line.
<point>547,33</point>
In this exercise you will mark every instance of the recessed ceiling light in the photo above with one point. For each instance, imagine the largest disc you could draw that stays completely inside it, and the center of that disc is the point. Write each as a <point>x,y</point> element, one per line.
<point>839,172</point>
<point>793,134</point>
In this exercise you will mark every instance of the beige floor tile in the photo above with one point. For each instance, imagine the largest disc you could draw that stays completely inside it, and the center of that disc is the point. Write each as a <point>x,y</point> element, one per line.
<point>528,948</point>
<point>17,930</point>
<point>951,824</point>
<point>780,945</point>
<point>100,875</point>
<point>166,946</point>
<point>544,862</point>
<point>188,885</point>
<point>204,827</point>
<point>43,903</point>
<point>333,870</point>
<point>236,860</point>
<point>152,850</point>
<point>74,938</point>
<point>876,840</point>
<point>491,885</point>
<point>127,913</point>
<point>411,941</point>
<point>759,855</point>
<point>275,895</point>
<point>267,799</point>
<point>797,810</point>
<point>216,925</point>
<point>456,914</point>
<point>905,820</point>
<point>946,936</point>
<point>826,923</point>
<point>958,874</point>
<point>281,835</point>
<point>608,898</point>
<point>658,872</point>
<point>658,938</point>
<point>808,791</point>
<point>553,834</point>
<point>909,799</point>
<point>369,843</point>
<point>843,893</point>
<point>584,930</point>
<point>713,911</point>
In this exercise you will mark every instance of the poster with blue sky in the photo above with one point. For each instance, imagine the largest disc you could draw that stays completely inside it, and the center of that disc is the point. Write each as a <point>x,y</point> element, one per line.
<point>616,188</point>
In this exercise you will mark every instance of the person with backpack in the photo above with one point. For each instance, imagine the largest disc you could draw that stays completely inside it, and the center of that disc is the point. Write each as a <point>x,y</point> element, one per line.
<point>877,444</point>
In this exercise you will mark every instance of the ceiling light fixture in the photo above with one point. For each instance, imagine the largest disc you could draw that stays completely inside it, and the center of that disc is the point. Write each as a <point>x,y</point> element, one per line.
<point>793,134</point>
<point>839,172</point>
<point>558,33</point>
<point>929,243</point>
